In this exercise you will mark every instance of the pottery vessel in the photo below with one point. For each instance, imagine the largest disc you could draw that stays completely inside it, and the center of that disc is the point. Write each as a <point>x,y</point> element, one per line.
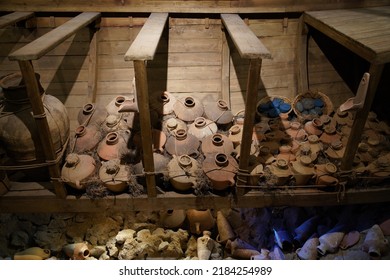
<point>225,230</point>
<point>182,143</point>
<point>115,104</point>
<point>305,230</point>
<point>330,241</point>
<point>182,172</point>
<point>204,246</point>
<point>375,243</point>
<point>201,128</point>
<point>235,134</point>
<point>86,138</point>
<point>256,173</point>
<point>188,108</point>
<point>91,113</point>
<point>76,251</point>
<point>77,169</point>
<point>285,153</point>
<point>217,143</point>
<point>342,118</point>
<point>330,135</point>
<point>314,127</point>
<point>171,125</point>
<point>240,249</point>
<point>163,103</point>
<point>281,171</point>
<point>325,174</point>
<point>264,156</point>
<point>159,140</point>
<point>19,135</point>
<point>33,253</point>
<point>303,170</point>
<point>114,123</point>
<point>172,218</point>
<point>335,151</point>
<point>218,112</point>
<point>114,175</point>
<point>114,146</point>
<point>283,239</point>
<point>264,255</point>
<point>315,145</point>
<point>309,249</point>
<point>221,170</point>
<point>296,132</point>
<point>350,239</point>
<point>200,220</point>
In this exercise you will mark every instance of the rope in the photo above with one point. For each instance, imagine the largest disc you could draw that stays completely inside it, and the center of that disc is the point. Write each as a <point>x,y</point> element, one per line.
<point>40,116</point>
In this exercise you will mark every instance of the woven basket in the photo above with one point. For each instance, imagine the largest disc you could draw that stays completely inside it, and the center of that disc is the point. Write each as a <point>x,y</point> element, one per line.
<point>267,99</point>
<point>327,108</point>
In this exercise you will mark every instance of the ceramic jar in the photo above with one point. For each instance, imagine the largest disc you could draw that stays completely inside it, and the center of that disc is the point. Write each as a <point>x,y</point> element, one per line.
<point>160,165</point>
<point>309,249</point>
<point>363,153</point>
<point>114,146</point>
<point>163,103</point>
<point>225,230</point>
<point>33,253</point>
<point>114,123</point>
<point>330,241</point>
<point>77,169</point>
<point>182,144</point>
<point>114,175</point>
<point>159,140</point>
<point>314,127</point>
<point>188,108</point>
<point>285,153</point>
<point>330,135</point>
<point>200,220</point>
<point>172,218</point>
<point>76,251</point>
<point>218,112</point>
<point>375,242</point>
<point>296,132</point>
<point>201,128</point>
<point>221,170</point>
<point>342,118</point>
<point>240,249</point>
<point>335,151</point>
<point>235,134</point>
<point>171,125</point>
<point>303,170</point>
<point>325,174</point>
<point>114,105</point>
<point>182,172</point>
<point>315,145</point>
<point>87,138</point>
<point>91,113</point>
<point>19,135</point>
<point>378,169</point>
<point>204,246</point>
<point>265,157</point>
<point>217,143</point>
<point>281,172</point>
<point>305,230</point>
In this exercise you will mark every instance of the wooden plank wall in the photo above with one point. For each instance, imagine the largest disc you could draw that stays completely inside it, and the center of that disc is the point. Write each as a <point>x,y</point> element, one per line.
<point>194,61</point>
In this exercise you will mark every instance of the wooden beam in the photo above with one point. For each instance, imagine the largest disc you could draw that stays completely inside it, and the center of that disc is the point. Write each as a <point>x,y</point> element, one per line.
<point>301,58</point>
<point>246,42</point>
<point>93,67</point>
<point>50,40</point>
<point>145,44</point>
<point>14,18</point>
<point>225,70</point>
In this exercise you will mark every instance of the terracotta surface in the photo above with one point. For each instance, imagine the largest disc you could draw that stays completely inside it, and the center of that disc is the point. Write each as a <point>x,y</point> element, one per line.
<point>221,169</point>
<point>201,128</point>
<point>77,169</point>
<point>188,108</point>
<point>182,172</point>
<point>114,175</point>
<point>91,113</point>
<point>182,144</point>
<point>114,145</point>
<point>86,138</point>
<point>218,112</point>
<point>217,143</point>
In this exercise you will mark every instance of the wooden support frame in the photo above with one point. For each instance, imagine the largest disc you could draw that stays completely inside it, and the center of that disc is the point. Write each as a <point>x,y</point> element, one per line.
<point>14,18</point>
<point>33,51</point>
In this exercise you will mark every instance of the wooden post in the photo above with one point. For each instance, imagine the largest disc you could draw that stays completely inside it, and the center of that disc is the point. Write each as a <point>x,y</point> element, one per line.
<point>250,112</point>
<point>225,70</point>
<point>141,82</point>
<point>93,67</point>
<point>39,115</point>
<point>301,59</point>
<point>361,117</point>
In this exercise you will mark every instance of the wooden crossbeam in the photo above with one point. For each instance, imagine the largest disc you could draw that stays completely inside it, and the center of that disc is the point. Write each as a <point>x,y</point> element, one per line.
<point>52,39</point>
<point>145,45</point>
<point>14,18</point>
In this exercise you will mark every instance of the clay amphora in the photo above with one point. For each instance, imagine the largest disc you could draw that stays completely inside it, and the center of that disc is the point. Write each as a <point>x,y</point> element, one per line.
<point>325,174</point>
<point>202,128</point>
<point>204,246</point>
<point>182,143</point>
<point>309,249</point>
<point>315,145</point>
<point>342,118</point>
<point>296,132</point>
<point>114,123</point>
<point>91,113</point>
<point>303,170</point>
<point>114,175</point>
<point>182,172</point>
<point>76,251</point>
<point>171,125</point>
<point>375,242</point>
<point>163,103</point>
<point>225,230</point>
<point>218,112</point>
<point>221,170</point>
<point>305,230</point>
<point>285,153</point>
<point>172,218</point>
<point>115,104</point>
<point>19,135</point>
<point>86,138</point>
<point>265,157</point>
<point>240,249</point>
<point>314,127</point>
<point>77,169</point>
<point>114,146</point>
<point>363,152</point>
<point>385,227</point>
<point>217,143</point>
<point>159,140</point>
<point>188,108</point>
<point>281,171</point>
<point>200,220</point>
<point>335,151</point>
<point>235,134</point>
<point>329,135</point>
<point>350,239</point>
<point>330,241</point>
<point>33,253</point>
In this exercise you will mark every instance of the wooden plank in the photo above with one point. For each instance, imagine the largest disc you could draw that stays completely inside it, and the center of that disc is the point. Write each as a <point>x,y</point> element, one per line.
<point>50,40</point>
<point>301,64</point>
<point>225,70</point>
<point>93,68</point>
<point>246,42</point>
<point>145,45</point>
<point>14,17</point>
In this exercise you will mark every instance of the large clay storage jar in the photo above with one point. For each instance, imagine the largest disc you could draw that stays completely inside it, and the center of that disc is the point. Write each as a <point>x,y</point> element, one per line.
<point>182,144</point>
<point>18,134</point>
<point>91,113</point>
<point>335,151</point>
<point>182,172</point>
<point>114,175</point>
<point>281,172</point>
<point>330,135</point>
<point>171,125</point>
<point>114,105</point>
<point>200,220</point>
<point>219,112</point>
<point>114,123</point>
<point>86,138</point>
<point>296,132</point>
<point>314,127</point>
<point>217,143</point>
<point>188,108</point>
<point>114,145</point>
<point>172,218</point>
<point>221,170</point>
<point>325,174</point>
<point>77,169</point>
<point>202,128</point>
<point>315,145</point>
<point>163,103</point>
<point>303,170</point>
<point>160,167</point>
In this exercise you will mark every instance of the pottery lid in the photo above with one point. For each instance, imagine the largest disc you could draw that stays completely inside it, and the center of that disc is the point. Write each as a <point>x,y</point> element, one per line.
<point>72,160</point>
<point>235,129</point>
<point>184,160</point>
<point>330,168</point>
<point>336,145</point>
<point>172,123</point>
<point>295,125</point>
<point>373,141</point>
<point>285,149</point>
<point>282,163</point>
<point>112,120</point>
<point>305,160</point>
<point>112,166</point>
<point>330,129</point>
<point>313,139</point>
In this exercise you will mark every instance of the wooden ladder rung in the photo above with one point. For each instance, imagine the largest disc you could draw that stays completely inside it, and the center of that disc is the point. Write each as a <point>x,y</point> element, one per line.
<point>50,40</point>
<point>14,18</point>
<point>246,42</point>
<point>145,44</point>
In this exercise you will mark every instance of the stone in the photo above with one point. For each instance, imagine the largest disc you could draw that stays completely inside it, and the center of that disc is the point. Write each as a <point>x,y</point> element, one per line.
<point>141,226</point>
<point>36,219</point>
<point>123,235</point>
<point>52,240</point>
<point>104,256</point>
<point>76,232</point>
<point>112,249</point>
<point>191,250</point>
<point>57,224</point>
<point>163,246</point>
<point>19,239</point>
<point>100,232</point>
<point>97,251</point>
